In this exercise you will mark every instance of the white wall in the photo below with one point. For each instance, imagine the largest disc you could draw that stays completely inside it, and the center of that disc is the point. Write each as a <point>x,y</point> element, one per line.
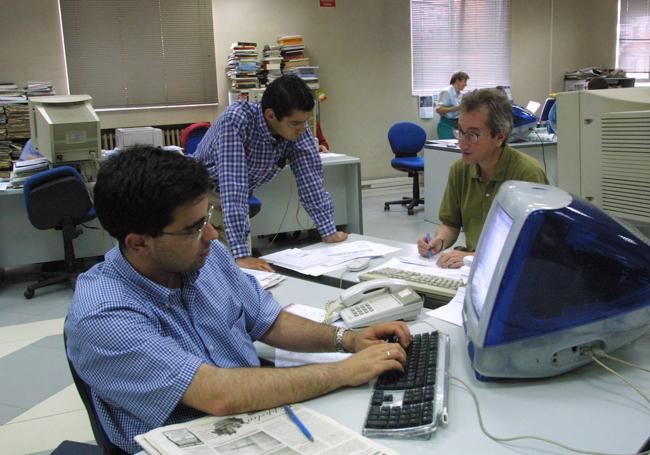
<point>362,47</point>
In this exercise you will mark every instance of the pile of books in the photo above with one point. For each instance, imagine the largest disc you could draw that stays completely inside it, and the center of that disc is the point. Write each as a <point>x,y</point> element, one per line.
<point>292,49</point>
<point>242,66</point>
<point>271,63</point>
<point>14,121</point>
<point>10,93</point>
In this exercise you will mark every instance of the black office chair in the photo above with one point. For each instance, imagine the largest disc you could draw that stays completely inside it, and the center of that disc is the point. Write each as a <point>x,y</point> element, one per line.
<point>58,199</point>
<point>406,140</point>
<point>107,447</point>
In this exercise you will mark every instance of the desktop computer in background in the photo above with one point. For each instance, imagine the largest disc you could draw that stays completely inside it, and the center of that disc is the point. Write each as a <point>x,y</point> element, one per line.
<point>65,129</point>
<point>553,279</point>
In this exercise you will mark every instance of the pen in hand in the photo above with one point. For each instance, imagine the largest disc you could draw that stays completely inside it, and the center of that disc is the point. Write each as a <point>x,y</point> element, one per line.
<point>294,418</point>
<point>427,239</point>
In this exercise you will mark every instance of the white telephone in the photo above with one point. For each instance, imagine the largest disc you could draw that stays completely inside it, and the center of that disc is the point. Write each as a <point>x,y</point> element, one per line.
<point>379,300</point>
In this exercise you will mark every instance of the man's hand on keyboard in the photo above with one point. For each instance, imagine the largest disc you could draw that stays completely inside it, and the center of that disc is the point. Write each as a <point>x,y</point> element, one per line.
<point>373,361</point>
<point>452,259</point>
<point>379,334</point>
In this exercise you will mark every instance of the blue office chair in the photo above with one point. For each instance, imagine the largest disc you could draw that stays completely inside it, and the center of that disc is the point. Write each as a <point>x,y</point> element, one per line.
<point>406,140</point>
<point>192,135</point>
<point>58,199</point>
<point>107,447</point>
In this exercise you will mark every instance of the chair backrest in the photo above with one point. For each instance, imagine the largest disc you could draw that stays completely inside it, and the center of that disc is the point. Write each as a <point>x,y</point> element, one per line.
<point>86,397</point>
<point>406,138</point>
<point>53,195</point>
<point>192,135</point>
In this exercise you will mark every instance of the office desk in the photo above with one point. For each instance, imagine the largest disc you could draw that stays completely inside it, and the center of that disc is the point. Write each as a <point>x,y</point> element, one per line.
<point>21,243</point>
<point>588,408</point>
<point>342,181</point>
<point>439,158</point>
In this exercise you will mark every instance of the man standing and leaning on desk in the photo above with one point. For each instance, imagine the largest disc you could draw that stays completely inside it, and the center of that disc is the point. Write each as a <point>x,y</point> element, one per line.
<point>248,145</point>
<point>162,331</point>
<point>484,124</point>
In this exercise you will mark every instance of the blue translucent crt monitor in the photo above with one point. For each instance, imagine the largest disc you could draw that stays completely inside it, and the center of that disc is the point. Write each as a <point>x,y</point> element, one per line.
<point>553,277</point>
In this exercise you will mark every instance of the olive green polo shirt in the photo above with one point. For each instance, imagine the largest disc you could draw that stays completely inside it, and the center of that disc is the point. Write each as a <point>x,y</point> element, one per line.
<point>468,196</point>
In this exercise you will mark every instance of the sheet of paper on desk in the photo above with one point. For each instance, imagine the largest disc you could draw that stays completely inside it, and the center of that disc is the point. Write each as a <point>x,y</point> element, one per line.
<point>453,311</point>
<point>285,359</point>
<point>265,279</point>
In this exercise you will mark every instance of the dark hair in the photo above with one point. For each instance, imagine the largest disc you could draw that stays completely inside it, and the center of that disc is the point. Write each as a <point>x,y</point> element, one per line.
<point>286,94</point>
<point>496,103</point>
<point>458,75</point>
<point>139,188</point>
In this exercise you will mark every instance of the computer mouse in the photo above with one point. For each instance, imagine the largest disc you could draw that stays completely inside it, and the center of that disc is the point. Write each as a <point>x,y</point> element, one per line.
<point>358,264</point>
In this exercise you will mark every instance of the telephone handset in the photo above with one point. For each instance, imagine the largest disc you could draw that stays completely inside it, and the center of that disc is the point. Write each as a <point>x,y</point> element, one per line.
<point>374,301</point>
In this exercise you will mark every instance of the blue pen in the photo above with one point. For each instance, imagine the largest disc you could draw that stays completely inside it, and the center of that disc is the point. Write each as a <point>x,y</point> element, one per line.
<point>294,418</point>
<point>427,239</point>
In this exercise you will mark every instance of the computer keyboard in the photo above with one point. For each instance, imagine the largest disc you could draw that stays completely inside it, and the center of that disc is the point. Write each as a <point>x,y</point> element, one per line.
<point>436,286</point>
<point>412,404</point>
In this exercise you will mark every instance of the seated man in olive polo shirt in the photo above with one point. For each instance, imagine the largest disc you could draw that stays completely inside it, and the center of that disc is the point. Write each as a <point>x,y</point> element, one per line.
<point>484,125</point>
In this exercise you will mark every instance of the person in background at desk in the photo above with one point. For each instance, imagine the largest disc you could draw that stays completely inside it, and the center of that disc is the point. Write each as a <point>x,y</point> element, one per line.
<point>249,144</point>
<point>29,152</point>
<point>448,105</point>
<point>162,331</point>
<point>487,161</point>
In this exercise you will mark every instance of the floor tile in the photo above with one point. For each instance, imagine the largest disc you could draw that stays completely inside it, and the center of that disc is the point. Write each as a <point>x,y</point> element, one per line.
<point>32,374</point>
<point>44,434</point>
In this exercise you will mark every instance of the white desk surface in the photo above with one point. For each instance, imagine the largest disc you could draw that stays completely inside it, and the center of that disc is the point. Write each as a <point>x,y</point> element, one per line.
<point>587,408</point>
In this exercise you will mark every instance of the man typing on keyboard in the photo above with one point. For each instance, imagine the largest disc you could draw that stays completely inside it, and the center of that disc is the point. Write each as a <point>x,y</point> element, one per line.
<point>162,331</point>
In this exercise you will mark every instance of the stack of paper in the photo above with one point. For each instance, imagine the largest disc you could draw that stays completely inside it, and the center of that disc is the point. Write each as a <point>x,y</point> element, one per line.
<point>317,261</point>
<point>14,121</point>
<point>36,88</point>
<point>24,169</point>
<point>10,93</point>
<point>265,279</point>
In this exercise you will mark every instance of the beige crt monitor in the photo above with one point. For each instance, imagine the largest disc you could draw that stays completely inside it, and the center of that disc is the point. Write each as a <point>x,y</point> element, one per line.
<point>65,128</point>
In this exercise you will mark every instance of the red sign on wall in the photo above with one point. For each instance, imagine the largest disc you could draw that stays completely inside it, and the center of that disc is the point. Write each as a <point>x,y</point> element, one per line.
<point>327,3</point>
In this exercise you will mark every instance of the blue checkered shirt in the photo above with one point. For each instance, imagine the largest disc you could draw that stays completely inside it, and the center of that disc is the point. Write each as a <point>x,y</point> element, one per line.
<point>241,155</point>
<point>138,344</point>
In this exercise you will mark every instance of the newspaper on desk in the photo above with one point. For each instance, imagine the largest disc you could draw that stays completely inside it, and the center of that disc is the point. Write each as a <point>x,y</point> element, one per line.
<point>263,432</point>
<point>317,261</point>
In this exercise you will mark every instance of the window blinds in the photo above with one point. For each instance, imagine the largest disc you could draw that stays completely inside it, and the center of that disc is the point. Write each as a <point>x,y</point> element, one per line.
<point>128,53</point>
<point>633,54</point>
<point>459,35</point>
